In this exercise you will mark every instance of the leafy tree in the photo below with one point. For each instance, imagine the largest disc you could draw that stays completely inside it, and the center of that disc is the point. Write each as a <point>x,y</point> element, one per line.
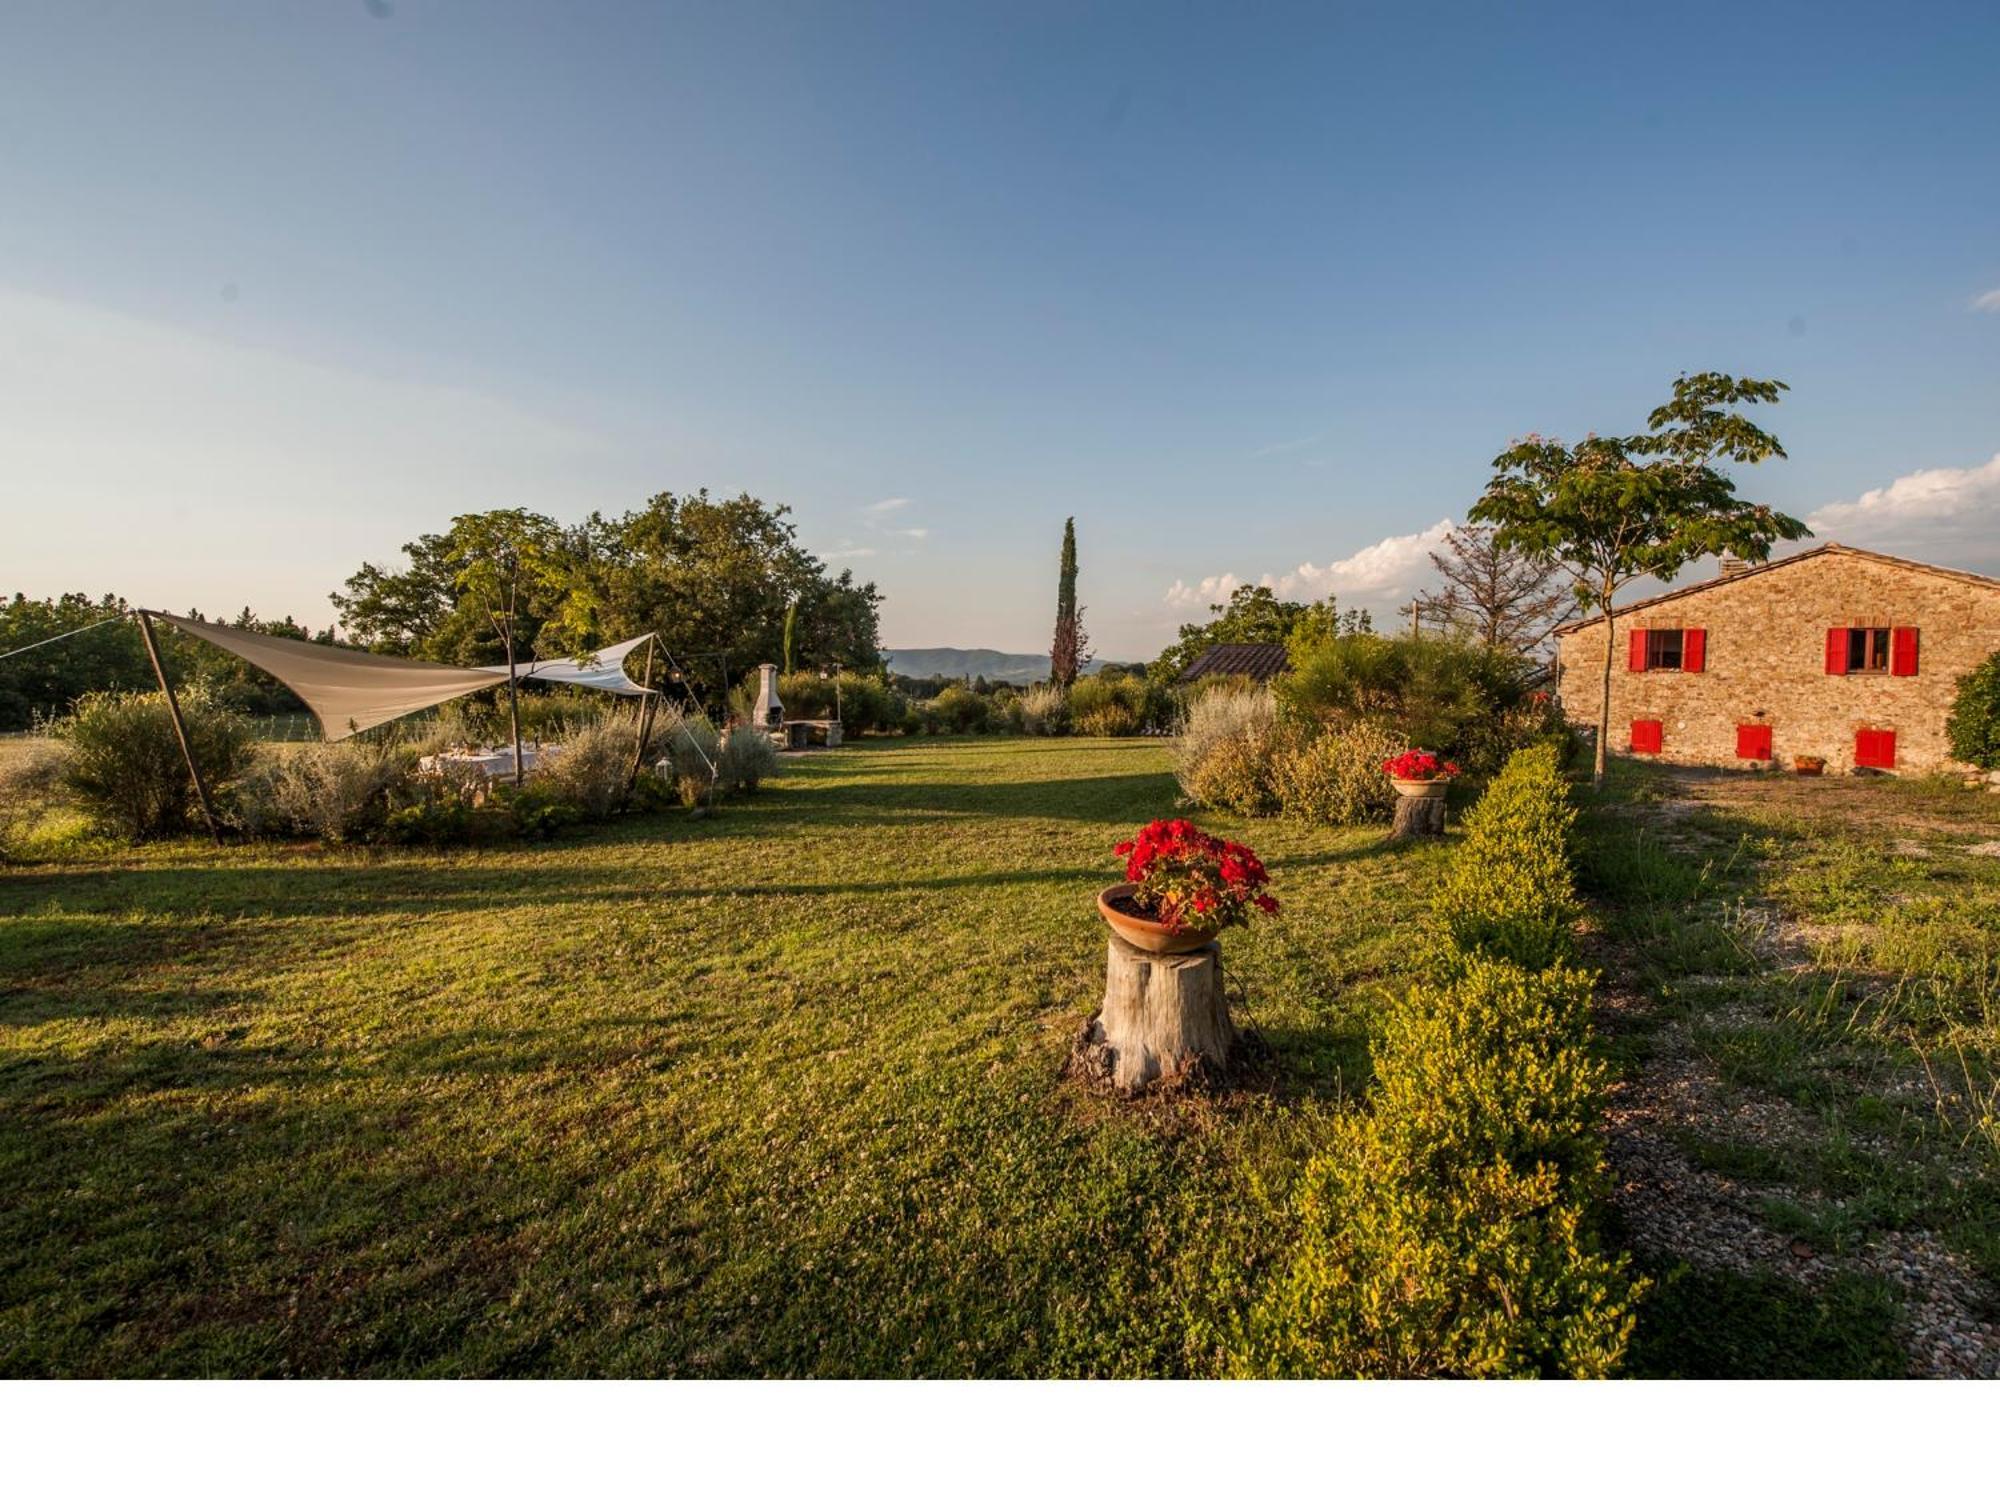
<point>1067,653</point>
<point>1974,726</point>
<point>1610,510</point>
<point>710,576</point>
<point>1505,599</point>
<point>1256,616</point>
<point>505,560</point>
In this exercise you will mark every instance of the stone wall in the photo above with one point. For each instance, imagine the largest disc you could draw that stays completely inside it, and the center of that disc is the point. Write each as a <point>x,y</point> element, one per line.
<point>1766,663</point>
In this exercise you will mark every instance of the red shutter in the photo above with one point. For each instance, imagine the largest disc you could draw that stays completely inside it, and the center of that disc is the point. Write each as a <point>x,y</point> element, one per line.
<point>1647,736</point>
<point>1836,652</point>
<point>1875,748</point>
<point>1635,660</point>
<point>1903,651</point>
<point>1753,741</point>
<point>1694,650</point>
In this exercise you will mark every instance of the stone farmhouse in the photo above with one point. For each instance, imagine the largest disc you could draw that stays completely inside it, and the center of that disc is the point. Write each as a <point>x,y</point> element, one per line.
<point>1848,655</point>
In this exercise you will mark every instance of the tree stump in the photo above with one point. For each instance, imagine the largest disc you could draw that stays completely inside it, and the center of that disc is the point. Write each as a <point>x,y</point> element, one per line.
<point>1418,818</point>
<point>1163,1014</point>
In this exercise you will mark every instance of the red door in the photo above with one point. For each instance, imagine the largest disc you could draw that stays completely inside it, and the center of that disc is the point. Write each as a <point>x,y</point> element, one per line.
<point>1753,741</point>
<point>1647,736</point>
<point>1875,748</point>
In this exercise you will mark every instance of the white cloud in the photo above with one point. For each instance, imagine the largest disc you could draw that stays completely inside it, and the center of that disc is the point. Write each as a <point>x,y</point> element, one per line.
<point>885,507</point>
<point>1948,516</point>
<point>1384,572</point>
<point>845,552</point>
<point>1212,590</point>
<point>1987,301</point>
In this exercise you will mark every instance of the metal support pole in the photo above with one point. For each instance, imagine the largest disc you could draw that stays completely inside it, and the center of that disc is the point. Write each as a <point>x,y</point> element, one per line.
<point>180,725</point>
<point>645,720</point>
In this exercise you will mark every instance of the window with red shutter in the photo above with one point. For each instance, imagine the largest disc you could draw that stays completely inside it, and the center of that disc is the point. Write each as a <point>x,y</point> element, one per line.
<point>1635,659</point>
<point>1903,651</point>
<point>1694,650</point>
<point>1753,741</point>
<point>1648,736</point>
<point>1875,748</point>
<point>1836,652</point>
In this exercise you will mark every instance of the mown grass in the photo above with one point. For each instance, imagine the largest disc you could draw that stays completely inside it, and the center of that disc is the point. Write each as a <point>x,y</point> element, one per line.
<point>771,1092</point>
<point>1836,947</point>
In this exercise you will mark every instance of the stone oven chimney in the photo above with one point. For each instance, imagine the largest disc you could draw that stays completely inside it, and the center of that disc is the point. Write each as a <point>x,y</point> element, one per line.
<point>770,712</point>
<point>1730,566</point>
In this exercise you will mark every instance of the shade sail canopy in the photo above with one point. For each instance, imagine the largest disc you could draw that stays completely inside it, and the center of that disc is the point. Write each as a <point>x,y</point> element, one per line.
<point>349,691</point>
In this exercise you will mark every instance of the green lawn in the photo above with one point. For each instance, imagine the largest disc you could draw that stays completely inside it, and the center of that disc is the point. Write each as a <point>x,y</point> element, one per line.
<point>772,1092</point>
<point>1814,968</point>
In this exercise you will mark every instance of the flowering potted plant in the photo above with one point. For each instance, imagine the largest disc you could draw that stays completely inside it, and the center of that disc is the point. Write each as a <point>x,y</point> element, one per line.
<point>1418,773</point>
<point>1182,887</point>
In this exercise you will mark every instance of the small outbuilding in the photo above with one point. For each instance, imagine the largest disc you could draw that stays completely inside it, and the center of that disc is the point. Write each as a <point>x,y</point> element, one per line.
<point>1848,656</point>
<point>1259,663</point>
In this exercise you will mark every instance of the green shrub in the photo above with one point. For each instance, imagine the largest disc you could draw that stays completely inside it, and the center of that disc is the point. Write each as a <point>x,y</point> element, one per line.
<point>1475,706</point>
<point>1227,750</point>
<point>1336,776</point>
<point>747,758</point>
<point>591,769</point>
<point>339,793</point>
<point>957,710</point>
<point>1118,704</point>
<point>535,809</point>
<point>1108,721</point>
<point>124,764</point>
<point>689,752</point>
<point>866,705</point>
<point>1509,890</point>
<point>1447,1230</point>
<point>1974,726</point>
<point>31,785</point>
<point>1045,710</point>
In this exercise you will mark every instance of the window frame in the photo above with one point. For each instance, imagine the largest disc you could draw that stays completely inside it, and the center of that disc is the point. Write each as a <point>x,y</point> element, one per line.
<point>1861,643</point>
<point>1656,640</point>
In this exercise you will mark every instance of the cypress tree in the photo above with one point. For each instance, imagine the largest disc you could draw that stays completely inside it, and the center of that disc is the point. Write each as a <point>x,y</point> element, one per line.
<point>1066,654</point>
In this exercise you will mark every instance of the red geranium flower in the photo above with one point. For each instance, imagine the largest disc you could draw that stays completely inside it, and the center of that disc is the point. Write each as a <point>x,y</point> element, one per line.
<point>1193,881</point>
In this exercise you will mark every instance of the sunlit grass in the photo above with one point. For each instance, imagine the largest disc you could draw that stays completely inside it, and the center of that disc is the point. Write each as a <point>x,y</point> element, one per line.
<point>775,1091</point>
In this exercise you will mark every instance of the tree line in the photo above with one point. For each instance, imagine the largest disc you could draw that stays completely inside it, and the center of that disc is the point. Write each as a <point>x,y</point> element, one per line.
<point>715,578</point>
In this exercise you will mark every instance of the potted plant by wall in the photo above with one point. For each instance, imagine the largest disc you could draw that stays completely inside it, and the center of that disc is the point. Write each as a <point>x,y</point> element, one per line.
<point>1182,887</point>
<point>1809,765</point>
<point>1418,773</point>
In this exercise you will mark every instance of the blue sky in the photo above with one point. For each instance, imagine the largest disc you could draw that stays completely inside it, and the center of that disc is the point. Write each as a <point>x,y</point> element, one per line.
<point>1249,290</point>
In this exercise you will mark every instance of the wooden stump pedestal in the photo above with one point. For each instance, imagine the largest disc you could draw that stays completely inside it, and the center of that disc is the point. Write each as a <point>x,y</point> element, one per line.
<point>1417,818</point>
<point>1163,1014</point>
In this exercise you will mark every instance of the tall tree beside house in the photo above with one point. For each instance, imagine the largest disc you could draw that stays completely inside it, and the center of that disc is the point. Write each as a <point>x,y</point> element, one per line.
<point>1610,510</point>
<point>1506,600</point>
<point>1067,654</point>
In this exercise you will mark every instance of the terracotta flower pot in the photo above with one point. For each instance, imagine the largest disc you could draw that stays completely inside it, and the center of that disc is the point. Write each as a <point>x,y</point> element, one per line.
<point>1808,765</point>
<point>1115,905</point>
<point>1406,788</point>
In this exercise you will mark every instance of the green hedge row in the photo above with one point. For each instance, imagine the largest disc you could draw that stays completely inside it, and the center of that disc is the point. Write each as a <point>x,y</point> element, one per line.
<point>1448,1229</point>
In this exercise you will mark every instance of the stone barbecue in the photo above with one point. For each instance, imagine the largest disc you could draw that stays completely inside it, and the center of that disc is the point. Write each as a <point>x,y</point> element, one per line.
<point>1847,655</point>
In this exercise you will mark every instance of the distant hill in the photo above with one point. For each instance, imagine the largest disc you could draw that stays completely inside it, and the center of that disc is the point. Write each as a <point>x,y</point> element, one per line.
<point>953,661</point>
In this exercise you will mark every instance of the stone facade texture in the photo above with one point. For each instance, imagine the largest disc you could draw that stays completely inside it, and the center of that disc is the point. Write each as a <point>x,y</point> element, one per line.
<point>1765,663</point>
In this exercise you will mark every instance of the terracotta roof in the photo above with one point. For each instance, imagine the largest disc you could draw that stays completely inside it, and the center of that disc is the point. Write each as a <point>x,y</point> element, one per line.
<point>1760,569</point>
<point>1259,663</point>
